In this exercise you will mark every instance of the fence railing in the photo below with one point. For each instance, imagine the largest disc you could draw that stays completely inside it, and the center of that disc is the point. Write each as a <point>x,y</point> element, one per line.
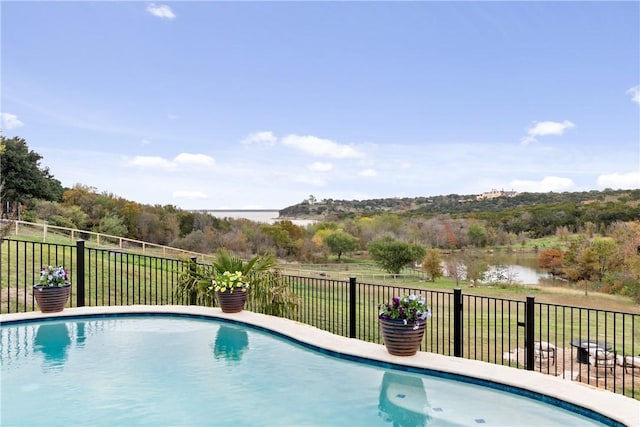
<point>598,347</point>
<point>45,231</point>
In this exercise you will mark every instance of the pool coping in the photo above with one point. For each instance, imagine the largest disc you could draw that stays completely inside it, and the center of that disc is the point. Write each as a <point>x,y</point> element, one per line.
<point>611,405</point>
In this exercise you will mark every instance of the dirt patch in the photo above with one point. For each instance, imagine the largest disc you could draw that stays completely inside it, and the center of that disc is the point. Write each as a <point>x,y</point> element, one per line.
<point>565,365</point>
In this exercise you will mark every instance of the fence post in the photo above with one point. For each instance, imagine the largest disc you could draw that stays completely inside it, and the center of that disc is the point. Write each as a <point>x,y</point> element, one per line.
<point>193,293</point>
<point>457,322</point>
<point>529,329</point>
<point>352,307</point>
<point>80,273</point>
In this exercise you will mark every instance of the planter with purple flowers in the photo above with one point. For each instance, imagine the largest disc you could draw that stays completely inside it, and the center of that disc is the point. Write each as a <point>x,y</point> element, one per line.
<point>402,324</point>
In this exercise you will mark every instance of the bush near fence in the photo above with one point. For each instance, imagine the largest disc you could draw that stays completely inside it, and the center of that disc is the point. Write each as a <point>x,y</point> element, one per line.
<point>494,330</point>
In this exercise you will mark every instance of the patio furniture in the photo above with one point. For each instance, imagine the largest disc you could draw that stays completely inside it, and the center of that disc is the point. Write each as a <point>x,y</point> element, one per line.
<point>601,358</point>
<point>544,352</point>
<point>583,348</point>
<point>631,362</point>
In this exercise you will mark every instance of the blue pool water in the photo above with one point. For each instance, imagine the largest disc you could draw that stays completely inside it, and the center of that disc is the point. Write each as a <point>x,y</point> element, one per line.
<point>164,370</point>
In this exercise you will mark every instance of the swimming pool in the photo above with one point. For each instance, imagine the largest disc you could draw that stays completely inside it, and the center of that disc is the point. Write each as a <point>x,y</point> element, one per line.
<point>179,370</point>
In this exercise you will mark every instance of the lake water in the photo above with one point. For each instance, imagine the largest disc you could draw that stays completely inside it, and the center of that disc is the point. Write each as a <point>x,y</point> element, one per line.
<point>520,268</point>
<point>267,216</point>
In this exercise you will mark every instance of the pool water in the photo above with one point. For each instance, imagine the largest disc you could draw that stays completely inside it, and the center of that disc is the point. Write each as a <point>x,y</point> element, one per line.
<point>163,370</point>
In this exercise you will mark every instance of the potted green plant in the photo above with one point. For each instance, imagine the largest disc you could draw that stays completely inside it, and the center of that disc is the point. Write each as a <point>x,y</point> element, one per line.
<point>202,284</point>
<point>233,277</point>
<point>193,284</point>
<point>402,323</point>
<point>53,289</point>
<point>230,289</point>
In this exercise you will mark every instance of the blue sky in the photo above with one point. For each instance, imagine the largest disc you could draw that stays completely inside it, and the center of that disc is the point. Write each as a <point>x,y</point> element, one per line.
<point>261,104</point>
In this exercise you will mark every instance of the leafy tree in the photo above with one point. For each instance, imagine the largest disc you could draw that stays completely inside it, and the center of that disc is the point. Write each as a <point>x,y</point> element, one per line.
<point>23,179</point>
<point>587,266</point>
<point>295,231</point>
<point>61,221</point>
<point>113,225</point>
<point>186,221</point>
<point>195,241</point>
<point>550,259</point>
<point>432,264</point>
<point>392,255</point>
<point>281,238</point>
<point>80,195</point>
<point>450,236</point>
<point>627,237</point>
<point>340,242</point>
<point>476,266</point>
<point>57,214</point>
<point>156,225</point>
<point>477,235</point>
<point>604,248</point>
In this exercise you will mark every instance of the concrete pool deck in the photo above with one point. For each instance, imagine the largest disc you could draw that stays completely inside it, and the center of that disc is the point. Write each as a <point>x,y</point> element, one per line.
<point>612,405</point>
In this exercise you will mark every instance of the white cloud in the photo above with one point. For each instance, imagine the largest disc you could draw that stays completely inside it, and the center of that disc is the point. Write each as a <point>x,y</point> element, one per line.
<point>619,181</point>
<point>162,11</point>
<point>193,159</point>
<point>192,195</point>
<point>549,183</point>
<point>635,94</point>
<point>145,141</point>
<point>546,128</point>
<point>321,167</point>
<point>150,162</point>
<point>319,147</point>
<point>182,159</point>
<point>261,138</point>
<point>10,121</point>
<point>172,116</point>
<point>368,172</point>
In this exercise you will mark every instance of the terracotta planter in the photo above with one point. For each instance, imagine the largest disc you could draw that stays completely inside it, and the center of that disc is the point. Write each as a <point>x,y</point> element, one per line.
<point>401,339</point>
<point>51,299</point>
<point>231,302</point>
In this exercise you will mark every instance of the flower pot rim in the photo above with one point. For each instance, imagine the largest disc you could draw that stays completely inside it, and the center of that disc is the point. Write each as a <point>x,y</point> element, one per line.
<point>66,285</point>
<point>232,290</point>
<point>402,321</point>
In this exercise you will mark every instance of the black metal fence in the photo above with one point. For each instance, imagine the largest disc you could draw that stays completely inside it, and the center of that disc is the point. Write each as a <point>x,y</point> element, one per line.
<point>598,347</point>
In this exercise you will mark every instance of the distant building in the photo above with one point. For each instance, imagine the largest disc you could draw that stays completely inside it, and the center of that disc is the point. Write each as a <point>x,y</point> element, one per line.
<point>495,194</point>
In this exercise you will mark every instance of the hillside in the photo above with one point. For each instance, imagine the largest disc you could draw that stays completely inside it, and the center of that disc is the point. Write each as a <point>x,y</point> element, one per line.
<point>627,201</point>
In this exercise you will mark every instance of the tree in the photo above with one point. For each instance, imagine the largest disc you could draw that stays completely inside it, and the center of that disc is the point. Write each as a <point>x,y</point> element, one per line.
<point>475,266</point>
<point>550,259</point>
<point>604,248</point>
<point>456,270</point>
<point>392,255</point>
<point>340,242</point>
<point>587,266</point>
<point>477,235</point>
<point>113,225</point>
<point>23,179</point>
<point>432,264</point>
<point>282,240</point>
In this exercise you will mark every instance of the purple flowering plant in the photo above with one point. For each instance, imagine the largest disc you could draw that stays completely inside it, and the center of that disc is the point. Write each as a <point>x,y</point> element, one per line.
<point>409,309</point>
<point>51,276</point>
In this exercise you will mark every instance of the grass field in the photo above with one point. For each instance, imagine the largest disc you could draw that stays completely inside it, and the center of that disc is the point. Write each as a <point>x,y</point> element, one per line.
<point>563,293</point>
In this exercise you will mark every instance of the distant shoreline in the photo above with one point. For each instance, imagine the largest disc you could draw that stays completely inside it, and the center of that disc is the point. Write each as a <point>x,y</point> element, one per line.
<point>268,216</point>
<point>233,210</point>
